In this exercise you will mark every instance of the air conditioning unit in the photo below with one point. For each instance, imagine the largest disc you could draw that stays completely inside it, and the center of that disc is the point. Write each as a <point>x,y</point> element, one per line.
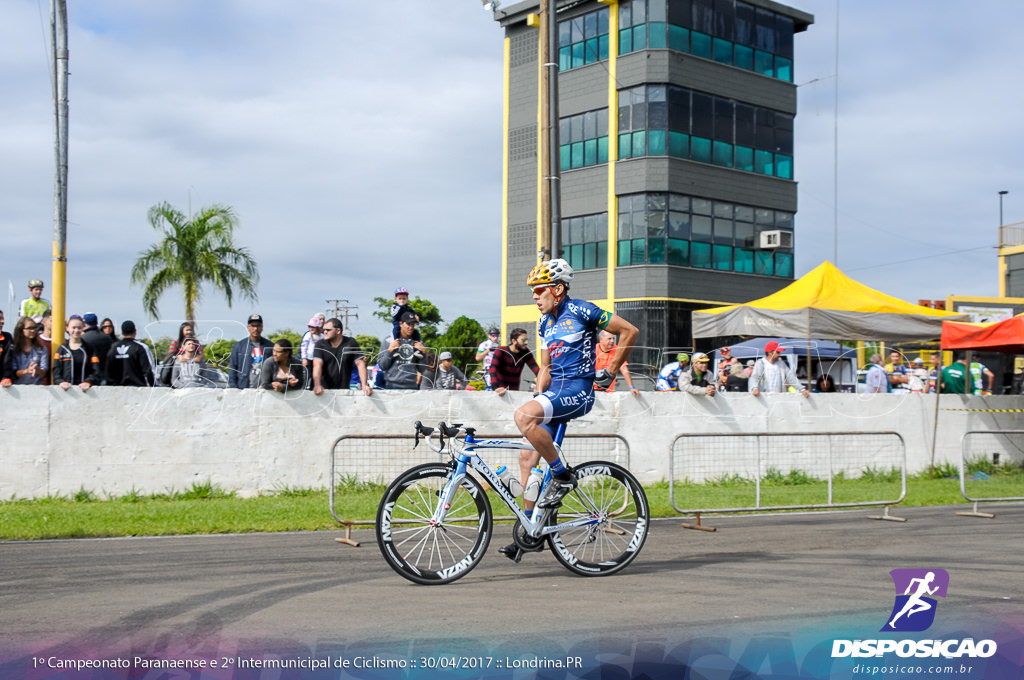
<point>776,239</point>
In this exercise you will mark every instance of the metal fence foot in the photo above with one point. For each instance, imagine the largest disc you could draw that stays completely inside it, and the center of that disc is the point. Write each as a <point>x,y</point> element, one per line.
<point>348,535</point>
<point>975,513</point>
<point>698,526</point>
<point>885,515</point>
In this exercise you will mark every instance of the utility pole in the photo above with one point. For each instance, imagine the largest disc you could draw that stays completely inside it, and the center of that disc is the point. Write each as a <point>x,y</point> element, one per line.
<point>342,311</point>
<point>59,38</point>
<point>547,142</point>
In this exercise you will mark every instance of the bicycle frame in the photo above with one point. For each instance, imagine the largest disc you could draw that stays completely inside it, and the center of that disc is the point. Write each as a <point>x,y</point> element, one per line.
<point>534,522</point>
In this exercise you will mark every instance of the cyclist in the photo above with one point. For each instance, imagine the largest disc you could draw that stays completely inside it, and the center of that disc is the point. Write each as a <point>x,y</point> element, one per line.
<point>565,384</point>
<point>668,377</point>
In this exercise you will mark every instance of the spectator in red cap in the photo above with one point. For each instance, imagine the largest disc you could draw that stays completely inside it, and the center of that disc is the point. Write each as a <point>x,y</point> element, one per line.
<point>772,375</point>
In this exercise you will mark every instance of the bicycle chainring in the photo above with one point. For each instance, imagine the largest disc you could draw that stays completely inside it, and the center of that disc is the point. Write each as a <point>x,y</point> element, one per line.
<point>526,542</point>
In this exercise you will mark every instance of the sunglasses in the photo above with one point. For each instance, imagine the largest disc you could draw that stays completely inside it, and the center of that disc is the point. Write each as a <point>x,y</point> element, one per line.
<point>106,328</point>
<point>539,290</point>
<point>31,328</point>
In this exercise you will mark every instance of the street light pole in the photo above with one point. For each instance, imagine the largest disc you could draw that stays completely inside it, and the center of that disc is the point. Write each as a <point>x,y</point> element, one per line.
<point>59,38</point>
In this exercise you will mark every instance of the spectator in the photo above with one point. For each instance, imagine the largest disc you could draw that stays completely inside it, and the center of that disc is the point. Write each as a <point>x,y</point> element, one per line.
<point>897,372</point>
<point>129,362</point>
<point>402,361</point>
<point>725,364</point>
<point>668,376</point>
<point>977,371</point>
<point>309,339</point>
<point>877,379</point>
<point>286,371</point>
<point>99,343</point>
<point>447,376</point>
<point>737,378</point>
<point>771,375</point>
<point>46,337</point>
<point>333,359</point>
<point>6,345</point>
<point>824,384</point>
<point>245,366</point>
<point>400,307</point>
<point>934,372</point>
<point>107,326</point>
<point>749,367</point>
<point>485,353</point>
<point>954,377</point>
<point>29,360</point>
<point>34,305</point>
<point>187,368</point>
<point>185,330</point>
<point>74,363</point>
<point>605,352</point>
<point>507,363</point>
<point>697,379</point>
<point>917,376</point>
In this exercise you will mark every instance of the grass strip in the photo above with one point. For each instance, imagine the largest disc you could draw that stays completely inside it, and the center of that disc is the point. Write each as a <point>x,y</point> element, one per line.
<point>206,509</point>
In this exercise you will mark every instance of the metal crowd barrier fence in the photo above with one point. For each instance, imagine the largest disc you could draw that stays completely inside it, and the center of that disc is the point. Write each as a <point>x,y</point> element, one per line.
<point>379,458</point>
<point>981,444</point>
<point>747,472</point>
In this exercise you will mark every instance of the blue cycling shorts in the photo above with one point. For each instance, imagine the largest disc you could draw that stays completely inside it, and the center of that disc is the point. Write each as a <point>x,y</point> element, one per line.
<point>564,401</point>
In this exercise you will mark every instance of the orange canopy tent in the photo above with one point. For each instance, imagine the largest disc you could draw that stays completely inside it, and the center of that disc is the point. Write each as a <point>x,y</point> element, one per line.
<point>999,336</point>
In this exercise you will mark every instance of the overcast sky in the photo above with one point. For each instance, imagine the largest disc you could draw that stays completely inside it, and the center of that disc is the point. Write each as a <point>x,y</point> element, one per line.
<point>360,145</point>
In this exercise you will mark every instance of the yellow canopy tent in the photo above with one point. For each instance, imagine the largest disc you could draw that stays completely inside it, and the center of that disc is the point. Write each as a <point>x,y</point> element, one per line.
<point>825,303</point>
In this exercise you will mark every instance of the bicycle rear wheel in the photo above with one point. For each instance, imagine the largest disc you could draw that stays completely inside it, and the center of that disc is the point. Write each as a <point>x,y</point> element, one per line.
<point>613,542</point>
<point>417,548</point>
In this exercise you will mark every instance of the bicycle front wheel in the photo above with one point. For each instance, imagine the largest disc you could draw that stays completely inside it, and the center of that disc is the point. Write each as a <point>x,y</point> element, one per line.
<point>425,551</point>
<point>620,504</point>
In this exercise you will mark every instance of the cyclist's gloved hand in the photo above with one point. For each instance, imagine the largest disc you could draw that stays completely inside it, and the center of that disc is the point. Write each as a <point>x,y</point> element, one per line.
<point>603,379</point>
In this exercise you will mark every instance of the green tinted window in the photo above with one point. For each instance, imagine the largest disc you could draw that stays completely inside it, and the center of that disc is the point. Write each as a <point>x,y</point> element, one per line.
<point>583,40</point>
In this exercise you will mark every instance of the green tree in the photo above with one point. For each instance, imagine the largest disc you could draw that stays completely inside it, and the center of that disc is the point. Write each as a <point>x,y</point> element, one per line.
<point>218,352</point>
<point>461,339</point>
<point>192,252</point>
<point>371,347</point>
<point>430,317</point>
<point>296,338</point>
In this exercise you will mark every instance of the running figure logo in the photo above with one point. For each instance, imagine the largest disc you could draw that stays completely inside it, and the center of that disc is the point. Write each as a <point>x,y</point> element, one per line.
<point>914,610</point>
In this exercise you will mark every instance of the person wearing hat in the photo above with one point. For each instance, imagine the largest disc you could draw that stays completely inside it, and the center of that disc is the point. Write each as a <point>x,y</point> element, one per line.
<point>485,353</point>
<point>446,376</point>
<point>507,362</point>
<point>668,376</point>
<point>98,342</point>
<point>400,307</point>
<point>309,339</point>
<point>917,376</point>
<point>245,366</point>
<point>698,378</point>
<point>35,304</point>
<point>129,362</point>
<point>402,360</point>
<point>771,375</point>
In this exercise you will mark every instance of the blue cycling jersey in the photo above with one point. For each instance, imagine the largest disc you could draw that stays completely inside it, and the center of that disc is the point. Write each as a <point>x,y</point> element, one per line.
<point>570,337</point>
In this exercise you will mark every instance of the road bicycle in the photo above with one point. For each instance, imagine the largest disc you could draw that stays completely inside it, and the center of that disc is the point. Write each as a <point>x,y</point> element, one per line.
<point>434,522</point>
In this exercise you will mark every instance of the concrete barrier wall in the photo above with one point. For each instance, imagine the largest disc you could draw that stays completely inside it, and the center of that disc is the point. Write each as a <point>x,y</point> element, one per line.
<point>111,440</point>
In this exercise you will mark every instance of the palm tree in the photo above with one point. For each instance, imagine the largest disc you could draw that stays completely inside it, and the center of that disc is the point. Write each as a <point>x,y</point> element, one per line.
<point>191,252</point>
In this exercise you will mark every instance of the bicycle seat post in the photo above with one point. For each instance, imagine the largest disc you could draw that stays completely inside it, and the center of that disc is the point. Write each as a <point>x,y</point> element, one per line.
<point>559,434</point>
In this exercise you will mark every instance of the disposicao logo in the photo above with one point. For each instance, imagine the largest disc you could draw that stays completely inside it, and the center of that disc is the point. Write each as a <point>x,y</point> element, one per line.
<point>914,609</point>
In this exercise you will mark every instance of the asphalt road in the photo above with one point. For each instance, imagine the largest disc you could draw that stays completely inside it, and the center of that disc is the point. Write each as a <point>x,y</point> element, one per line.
<point>793,575</point>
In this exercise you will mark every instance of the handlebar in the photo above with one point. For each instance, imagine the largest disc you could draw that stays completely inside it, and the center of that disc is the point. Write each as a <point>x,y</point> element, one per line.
<point>442,430</point>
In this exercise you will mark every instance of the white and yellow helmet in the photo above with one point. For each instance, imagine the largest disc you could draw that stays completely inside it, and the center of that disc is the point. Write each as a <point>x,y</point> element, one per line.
<point>550,272</point>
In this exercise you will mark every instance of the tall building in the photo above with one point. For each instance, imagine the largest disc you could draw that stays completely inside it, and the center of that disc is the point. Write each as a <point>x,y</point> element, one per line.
<point>676,156</point>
